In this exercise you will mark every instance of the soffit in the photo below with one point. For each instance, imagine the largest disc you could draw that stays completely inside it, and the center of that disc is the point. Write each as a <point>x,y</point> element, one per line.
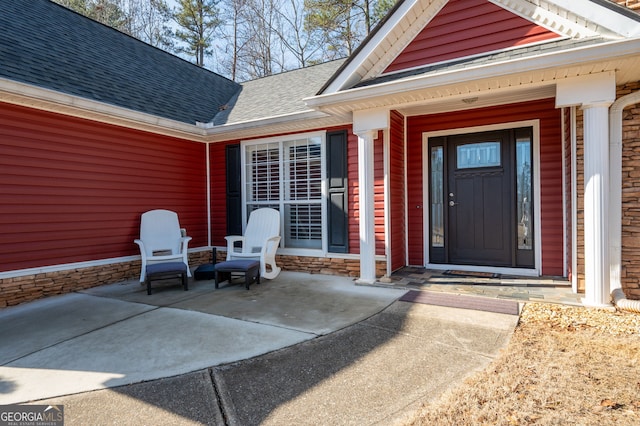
<point>527,78</point>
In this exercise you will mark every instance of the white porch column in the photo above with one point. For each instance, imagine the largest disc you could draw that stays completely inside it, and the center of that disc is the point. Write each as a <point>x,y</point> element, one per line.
<point>596,204</point>
<point>595,93</point>
<point>367,209</point>
<point>366,124</point>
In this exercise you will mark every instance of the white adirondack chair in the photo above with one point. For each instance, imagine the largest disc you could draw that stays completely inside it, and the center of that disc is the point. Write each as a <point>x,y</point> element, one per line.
<point>161,240</point>
<point>260,241</point>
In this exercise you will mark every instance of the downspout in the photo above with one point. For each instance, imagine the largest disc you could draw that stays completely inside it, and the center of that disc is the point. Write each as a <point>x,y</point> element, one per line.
<point>615,201</point>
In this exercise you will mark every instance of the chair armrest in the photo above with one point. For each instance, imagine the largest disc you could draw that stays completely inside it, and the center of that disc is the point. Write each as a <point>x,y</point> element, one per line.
<point>271,245</point>
<point>184,242</point>
<point>140,244</point>
<point>231,241</point>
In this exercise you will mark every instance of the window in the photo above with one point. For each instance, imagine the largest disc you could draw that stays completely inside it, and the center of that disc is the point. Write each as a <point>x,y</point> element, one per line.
<point>483,154</point>
<point>287,175</point>
<point>437,196</point>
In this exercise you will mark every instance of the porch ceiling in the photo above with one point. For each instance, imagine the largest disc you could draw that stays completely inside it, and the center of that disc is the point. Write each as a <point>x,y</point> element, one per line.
<point>509,81</point>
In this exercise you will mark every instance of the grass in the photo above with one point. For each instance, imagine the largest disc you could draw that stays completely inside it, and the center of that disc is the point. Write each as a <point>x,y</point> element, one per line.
<point>563,366</point>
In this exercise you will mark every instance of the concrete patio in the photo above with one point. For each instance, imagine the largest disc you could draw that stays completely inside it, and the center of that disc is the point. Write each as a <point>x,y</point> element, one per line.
<point>303,349</point>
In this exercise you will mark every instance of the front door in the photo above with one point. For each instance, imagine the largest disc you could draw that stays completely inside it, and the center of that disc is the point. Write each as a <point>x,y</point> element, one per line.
<point>480,198</point>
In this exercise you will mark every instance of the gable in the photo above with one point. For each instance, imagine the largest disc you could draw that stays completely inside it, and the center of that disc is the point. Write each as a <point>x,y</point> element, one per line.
<point>438,33</point>
<point>465,28</point>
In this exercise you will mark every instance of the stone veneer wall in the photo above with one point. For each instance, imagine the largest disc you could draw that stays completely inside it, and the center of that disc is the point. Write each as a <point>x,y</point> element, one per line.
<point>630,275</point>
<point>27,288</point>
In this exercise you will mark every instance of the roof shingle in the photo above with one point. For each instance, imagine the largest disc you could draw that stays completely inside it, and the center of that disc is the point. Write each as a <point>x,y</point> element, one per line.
<point>47,45</point>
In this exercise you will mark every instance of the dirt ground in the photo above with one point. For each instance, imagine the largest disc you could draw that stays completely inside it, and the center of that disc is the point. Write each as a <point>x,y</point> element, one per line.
<point>563,366</point>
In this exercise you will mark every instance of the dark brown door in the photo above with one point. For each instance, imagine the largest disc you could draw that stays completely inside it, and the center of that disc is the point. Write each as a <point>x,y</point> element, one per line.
<point>479,199</point>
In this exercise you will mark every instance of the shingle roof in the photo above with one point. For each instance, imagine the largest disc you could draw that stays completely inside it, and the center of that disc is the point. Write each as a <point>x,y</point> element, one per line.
<point>276,95</point>
<point>47,45</point>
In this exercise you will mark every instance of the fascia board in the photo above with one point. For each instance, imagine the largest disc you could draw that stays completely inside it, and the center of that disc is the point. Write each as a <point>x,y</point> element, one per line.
<point>350,72</point>
<point>262,122</point>
<point>289,123</point>
<point>15,92</point>
<point>601,52</point>
<point>603,16</point>
<point>50,100</point>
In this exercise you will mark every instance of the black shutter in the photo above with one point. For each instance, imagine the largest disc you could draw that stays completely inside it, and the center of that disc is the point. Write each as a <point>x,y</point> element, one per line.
<point>336,151</point>
<point>234,190</point>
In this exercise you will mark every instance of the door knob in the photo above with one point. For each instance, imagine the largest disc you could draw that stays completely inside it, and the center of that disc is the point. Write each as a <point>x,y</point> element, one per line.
<point>452,203</point>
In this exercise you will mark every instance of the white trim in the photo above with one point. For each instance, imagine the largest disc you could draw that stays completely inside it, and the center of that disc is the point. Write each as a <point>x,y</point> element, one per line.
<point>563,137</point>
<point>603,16</point>
<point>211,129</point>
<point>367,207</point>
<point>559,22</point>
<point>354,69</point>
<point>535,125</point>
<point>50,100</point>
<point>426,195</point>
<point>17,93</point>
<point>208,195</point>
<point>496,270</point>
<point>386,152</point>
<point>574,202</point>
<point>615,185</point>
<point>80,265</point>
<point>406,193</point>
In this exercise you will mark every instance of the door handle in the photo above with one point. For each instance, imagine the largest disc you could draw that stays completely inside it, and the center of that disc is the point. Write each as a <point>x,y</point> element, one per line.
<point>452,203</point>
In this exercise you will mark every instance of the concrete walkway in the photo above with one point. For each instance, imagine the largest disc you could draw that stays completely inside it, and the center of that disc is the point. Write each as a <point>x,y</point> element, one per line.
<point>301,349</point>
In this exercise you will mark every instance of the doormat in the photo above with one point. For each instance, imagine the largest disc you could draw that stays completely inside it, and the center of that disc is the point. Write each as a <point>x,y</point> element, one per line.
<point>486,304</point>
<point>472,274</point>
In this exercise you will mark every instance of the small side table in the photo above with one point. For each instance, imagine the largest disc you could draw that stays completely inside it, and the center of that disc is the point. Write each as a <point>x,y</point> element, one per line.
<point>250,269</point>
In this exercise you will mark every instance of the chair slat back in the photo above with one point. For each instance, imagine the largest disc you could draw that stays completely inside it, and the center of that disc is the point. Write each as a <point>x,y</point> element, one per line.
<point>263,223</point>
<point>160,230</point>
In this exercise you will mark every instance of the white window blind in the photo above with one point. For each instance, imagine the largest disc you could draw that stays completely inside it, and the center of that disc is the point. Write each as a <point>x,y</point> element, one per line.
<point>287,175</point>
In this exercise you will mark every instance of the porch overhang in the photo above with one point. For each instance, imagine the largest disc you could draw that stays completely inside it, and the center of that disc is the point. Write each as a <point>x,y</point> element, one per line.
<point>511,80</point>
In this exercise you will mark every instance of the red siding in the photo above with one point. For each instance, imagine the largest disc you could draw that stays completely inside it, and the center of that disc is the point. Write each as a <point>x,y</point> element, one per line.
<point>468,27</point>
<point>550,170</point>
<point>73,190</point>
<point>218,171</point>
<point>396,189</point>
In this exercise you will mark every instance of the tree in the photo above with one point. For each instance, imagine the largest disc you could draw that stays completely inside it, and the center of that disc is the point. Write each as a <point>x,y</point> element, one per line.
<point>108,12</point>
<point>146,20</point>
<point>149,22</point>
<point>343,24</point>
<point>197,19</point>
<point>304,46</point>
